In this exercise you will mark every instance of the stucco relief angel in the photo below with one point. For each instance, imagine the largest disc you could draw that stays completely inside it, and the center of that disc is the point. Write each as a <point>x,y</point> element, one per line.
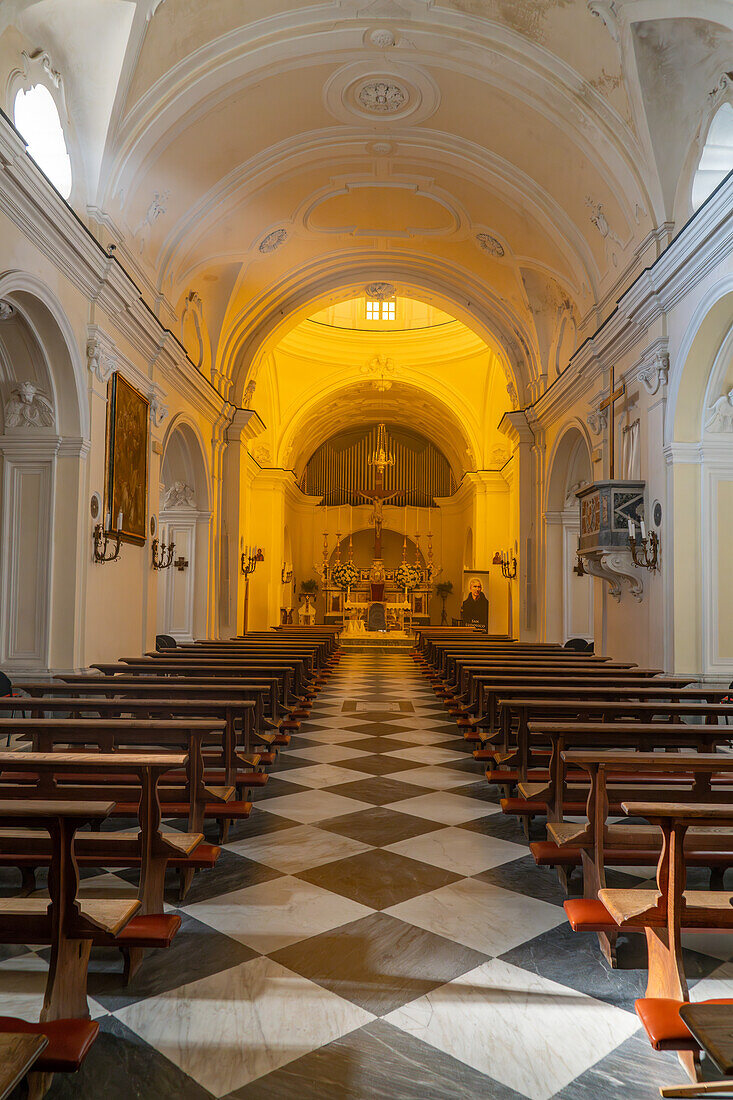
<point>720,415</point>
<point>28,408</point>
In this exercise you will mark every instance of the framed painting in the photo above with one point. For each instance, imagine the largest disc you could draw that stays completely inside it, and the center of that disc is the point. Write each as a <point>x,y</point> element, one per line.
<point>127,460</point>
<point>475,606</point>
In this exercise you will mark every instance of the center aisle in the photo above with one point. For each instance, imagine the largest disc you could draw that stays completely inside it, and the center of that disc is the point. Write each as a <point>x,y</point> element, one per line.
<point>378,929</point>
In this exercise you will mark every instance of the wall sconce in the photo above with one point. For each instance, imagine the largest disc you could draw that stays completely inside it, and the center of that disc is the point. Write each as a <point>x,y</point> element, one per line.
<point>645,553</point>
<point>286,575</point>
<point>101,537</point>
<point>165,560</point>
<point>250,556</point>
<point>508,563</point>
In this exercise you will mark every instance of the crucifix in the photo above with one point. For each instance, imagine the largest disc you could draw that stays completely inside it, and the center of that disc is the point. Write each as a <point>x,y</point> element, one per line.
<point>378,498</point>
<point>180,563</point>
<point>613,396</point>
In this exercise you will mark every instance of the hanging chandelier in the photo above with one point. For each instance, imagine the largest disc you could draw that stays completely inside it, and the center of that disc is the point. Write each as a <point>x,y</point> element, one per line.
<point>382,455</point>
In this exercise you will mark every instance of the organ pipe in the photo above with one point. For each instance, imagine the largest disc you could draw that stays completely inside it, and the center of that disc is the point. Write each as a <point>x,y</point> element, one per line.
<point>339,470</point>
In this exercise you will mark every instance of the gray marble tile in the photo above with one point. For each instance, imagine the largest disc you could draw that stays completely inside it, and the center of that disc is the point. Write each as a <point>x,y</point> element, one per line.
<point>376,1061</point>
<point>379,790</point>
<point>378,878</point>
<point>380,764</point>
<point>515,1025</point>
<point>198,951</point>
<point>378,962</point>
<point>122,1066</point>
<point>377,826</point>
<point>632,1065</point>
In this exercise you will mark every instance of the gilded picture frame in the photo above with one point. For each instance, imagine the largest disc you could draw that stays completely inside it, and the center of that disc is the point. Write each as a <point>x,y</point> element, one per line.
<point>128,420</point>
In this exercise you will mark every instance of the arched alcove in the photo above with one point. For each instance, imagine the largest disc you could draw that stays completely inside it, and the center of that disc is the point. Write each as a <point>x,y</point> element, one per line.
<point>185,519</point>
<point>568,597</point>
<point>42,453</point>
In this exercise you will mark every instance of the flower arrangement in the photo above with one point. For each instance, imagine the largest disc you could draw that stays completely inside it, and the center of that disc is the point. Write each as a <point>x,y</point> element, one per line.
<point>408,576</point>
<point>345,574</point>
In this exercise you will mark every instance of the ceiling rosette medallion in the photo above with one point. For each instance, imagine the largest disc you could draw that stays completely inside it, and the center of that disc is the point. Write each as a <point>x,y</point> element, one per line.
<point>400,92</point>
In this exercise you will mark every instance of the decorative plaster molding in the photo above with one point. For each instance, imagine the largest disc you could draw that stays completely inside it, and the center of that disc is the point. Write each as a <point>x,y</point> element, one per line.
<point>719,417</point>
<point>262,454</point>
<point>597,421</point>
<point>28,408</point>
<point>357,90</point>
<point>101,361</point>
<point>654,369</point>
<point>6,311</point>
<point>607,12</point>
<point>379,367</point>
<point>381,292</point>
<point>489,244</point>
<point>38,64</point>
<point>511,390</point>
<point>249,394</point>
<point>616,569</point>
<point>158,411</point>
<point>382,97</point>
<point>382,38</point>
<point>180,495</point>
<point>272,241</point>
<point>158,206</point>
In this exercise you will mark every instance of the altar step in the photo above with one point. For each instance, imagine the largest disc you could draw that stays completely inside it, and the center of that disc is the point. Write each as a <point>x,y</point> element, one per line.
<point>371,639</point>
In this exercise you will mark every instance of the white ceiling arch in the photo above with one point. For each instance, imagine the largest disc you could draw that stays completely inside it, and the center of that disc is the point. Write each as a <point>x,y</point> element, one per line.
<point>455,431</point>
<point>262,323</point>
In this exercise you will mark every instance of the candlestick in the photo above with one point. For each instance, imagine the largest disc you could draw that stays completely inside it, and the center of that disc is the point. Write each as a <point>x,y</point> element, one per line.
<point>643,529</point>
<point>631,529</point>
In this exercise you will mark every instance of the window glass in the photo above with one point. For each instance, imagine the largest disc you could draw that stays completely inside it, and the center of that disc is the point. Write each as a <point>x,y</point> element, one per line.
<point>717,156</point>
<point>37,119</point>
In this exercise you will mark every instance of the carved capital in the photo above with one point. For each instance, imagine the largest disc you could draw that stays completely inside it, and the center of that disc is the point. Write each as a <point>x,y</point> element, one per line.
<point>656,375</point>
<point>6,311</point>
<point>101,361</point>
<point>28,408</point>
<point>158,411</point>
<point>597,421</point>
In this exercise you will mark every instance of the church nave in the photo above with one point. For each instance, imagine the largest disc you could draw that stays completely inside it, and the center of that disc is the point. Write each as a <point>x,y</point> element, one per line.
<point>376,928</point>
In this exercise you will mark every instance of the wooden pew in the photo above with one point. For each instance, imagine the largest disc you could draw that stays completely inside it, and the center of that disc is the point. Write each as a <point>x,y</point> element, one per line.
<point>596,844</point>
<point>532,708</point>
<point>228,760</point>
<point>18,1054</point>
<point>487,689</point>
<point>70,925</point>
<point>193,799</point>
<point>664,912</point>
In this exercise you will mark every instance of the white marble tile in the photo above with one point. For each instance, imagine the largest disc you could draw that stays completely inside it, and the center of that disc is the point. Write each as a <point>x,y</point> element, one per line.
<point>291,850</point>
<point>335,736</point>
<point>458,850</point>
<point>422,736</point>
<point>443,806</point>
<point>318,775</point>
<point>311,806</point>
<point>437,778</point>
<point>427,754</point>
<point>480,915</point>
<point>717,944</point>
<point>237,1025</point>
<point>719,983</point>
<point>23,987</point>
<point>531,1034</point>
<point>273,914</point>
<point>325,754</point>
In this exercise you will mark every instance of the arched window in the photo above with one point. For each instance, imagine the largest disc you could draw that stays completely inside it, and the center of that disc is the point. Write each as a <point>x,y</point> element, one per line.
<point>717,156</point>
<point>37,119</point>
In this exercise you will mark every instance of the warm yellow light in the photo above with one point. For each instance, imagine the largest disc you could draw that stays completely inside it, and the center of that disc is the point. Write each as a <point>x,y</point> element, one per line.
<point>377,310</point>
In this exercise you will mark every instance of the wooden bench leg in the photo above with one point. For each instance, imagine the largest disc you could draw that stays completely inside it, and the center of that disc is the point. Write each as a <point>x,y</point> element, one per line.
<point>27,882</point>
<point>222,829</point>
<point>185,878</point>
<point>132,958</point>
<point>667,979</point>
<point>564,875</point>
<point>37,1085</point>
<point>608,942</point>
<point>66,987</point>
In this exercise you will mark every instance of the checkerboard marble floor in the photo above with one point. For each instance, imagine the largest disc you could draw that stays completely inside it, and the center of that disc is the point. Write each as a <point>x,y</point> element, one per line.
<point>376,929</point>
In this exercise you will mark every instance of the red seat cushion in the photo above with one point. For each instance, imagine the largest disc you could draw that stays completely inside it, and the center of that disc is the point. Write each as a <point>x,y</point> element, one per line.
<point>664,1025</point>
<point>69,1041</point>
<point>588,915</point>
<point>546,853</point>
<point>522,807</point>
<point>149,930</point>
